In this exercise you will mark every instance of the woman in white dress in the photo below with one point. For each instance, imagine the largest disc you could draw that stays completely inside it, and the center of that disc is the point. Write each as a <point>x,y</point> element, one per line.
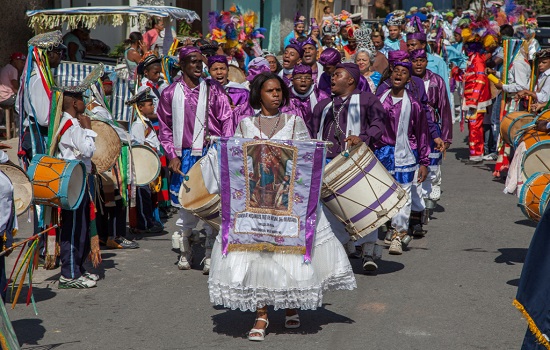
<point>253,280</point>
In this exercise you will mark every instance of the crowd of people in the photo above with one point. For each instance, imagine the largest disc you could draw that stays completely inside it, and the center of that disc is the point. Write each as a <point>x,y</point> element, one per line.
<point>390,87</point>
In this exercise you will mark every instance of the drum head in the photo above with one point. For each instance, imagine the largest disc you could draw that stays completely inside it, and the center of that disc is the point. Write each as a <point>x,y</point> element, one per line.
<point>146,164</point>
<point>22,187</point>
<point>536,159</point>
<point>77,183</point>
<point>107,144</point>
<point>193,193</point>
<point>236,75</point>
<point>519,124</point>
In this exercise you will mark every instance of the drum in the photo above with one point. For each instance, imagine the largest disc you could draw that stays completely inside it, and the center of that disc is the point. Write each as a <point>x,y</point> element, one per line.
<point>236,75</point>
<point>57,182</point>
<point>22,187</point>
<point>146,164</point>
<point>107,146</point>
<point>537,153</point>
<point>195,198</point>
<point>511,124</point>
<point>360,192</point>
<point>534,196</point>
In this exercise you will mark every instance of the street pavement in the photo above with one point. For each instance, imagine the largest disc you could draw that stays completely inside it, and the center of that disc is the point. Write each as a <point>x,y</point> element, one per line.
<point>452,290</point>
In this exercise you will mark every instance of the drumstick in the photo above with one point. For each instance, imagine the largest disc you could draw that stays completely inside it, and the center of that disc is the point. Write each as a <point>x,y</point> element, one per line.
<point>32,238</point>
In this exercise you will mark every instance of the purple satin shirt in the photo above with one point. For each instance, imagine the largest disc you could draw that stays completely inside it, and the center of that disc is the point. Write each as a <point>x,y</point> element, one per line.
<point>220,116</point>
<point>324,83</point>
<point>416,87</point>
<point>418,131</point>
<point>372,121</point>
<point>302,107</point>
<point>238,96</point>
<point>439,101</point>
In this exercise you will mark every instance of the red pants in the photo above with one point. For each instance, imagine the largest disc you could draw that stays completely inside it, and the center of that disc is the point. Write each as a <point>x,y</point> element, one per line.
<point>475,129</point>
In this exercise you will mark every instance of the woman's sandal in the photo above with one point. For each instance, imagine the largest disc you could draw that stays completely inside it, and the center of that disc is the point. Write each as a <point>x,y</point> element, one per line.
<point>260,331</point>
<point>293,321</point>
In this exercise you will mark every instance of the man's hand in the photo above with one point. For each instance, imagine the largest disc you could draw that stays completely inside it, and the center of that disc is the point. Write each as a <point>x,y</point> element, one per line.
<point>4,146</point>
<point>84,121</point>
<point>353,140</point>
<point>447,145</point>
<point>542,126</point>
<point>439,144</point>
<point>422,173</point>
<point>175,166</point>
<point>535,107</point>
<point>499,85</point>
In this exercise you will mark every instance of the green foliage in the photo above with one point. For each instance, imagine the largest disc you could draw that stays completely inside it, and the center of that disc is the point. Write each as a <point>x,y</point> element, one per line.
<point>118,51</point>
<point>184,29</point>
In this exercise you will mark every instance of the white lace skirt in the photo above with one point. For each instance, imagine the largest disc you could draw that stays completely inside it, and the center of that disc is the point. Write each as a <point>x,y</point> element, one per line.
<point>247,280</point>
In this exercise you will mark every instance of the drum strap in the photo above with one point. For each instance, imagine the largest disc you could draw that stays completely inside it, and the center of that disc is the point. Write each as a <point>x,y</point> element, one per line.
<point>65,127</point>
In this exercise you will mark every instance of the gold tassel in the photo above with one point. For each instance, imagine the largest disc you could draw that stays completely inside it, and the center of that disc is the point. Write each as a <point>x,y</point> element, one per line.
<point>532,325</point>
<point>267,247</point>
<point>95,253</point>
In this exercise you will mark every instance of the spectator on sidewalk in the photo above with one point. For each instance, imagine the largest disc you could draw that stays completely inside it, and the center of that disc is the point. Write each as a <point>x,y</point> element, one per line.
<point>9,79</point>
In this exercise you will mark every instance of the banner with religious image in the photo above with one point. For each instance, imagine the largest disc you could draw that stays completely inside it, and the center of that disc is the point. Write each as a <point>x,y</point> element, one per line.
<point>269,194</point>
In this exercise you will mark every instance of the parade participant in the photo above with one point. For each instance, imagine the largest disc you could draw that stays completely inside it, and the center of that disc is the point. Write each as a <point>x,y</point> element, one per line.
<point>149,69</point>
<point>365,58</point>
<point>190,109</point>
<point>76,142</point>
<point>404,147</point>
<point>143,133</point>
<point>394,40</point>
<point>8,219</point>
<point>380,43</point>
<point>477,98</point>
<point>292,56</point>
<point>253,280</point>
<point>437,99</point>
<point>304,95</point>
<point>541,95</point>
<point>274,64</point>
<point>310,58</point>
<point>329,59</point>
<point>315,34</point>
<point>218,67</point>
<point>351,47</point>
<point>298,31</point>
<point>457,61</point>
<point>327,41</point>
<point>34,96</point>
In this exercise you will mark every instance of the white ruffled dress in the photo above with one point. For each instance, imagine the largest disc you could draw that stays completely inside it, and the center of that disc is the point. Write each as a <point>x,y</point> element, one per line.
<point>248,280</point>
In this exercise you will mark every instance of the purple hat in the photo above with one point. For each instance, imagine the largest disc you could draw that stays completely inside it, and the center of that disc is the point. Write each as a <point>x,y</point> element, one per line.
<point>397,55</point>
<point>257,66</point>
<point>309,41</point>
<point>407,65</point>
<point>416,36</point>
<point>352,69</point>
<point>330,57</point>
<point>298,19</point>
<point>458,31</point>
<point>314,24</point>
<point>414,54</point>
<point>186,51</point>
<point>217,59</point>
<point>296,46</point>
<point>301,69</point>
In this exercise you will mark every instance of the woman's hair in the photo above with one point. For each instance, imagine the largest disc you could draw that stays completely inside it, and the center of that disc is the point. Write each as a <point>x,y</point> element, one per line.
<point>133,38</point>
<point>377,33</point>
<point>325,8</point>
<point>155,21</point>
<point>256,89</point>
<point>371,55</point>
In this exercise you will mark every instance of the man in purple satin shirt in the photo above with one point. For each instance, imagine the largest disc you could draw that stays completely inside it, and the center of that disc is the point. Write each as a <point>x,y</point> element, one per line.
<point>190,109</point>
<point>329,58</point>
<point>218,67</point>
<point>310,59</point>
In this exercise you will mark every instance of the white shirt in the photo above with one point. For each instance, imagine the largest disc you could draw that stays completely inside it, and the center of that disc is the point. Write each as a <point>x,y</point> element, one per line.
<point>518,77</point>
<point>76,142</point>
<point>3,157</point>
<point>543,87</point>
<point>36,99</point>
<point>138,134</point>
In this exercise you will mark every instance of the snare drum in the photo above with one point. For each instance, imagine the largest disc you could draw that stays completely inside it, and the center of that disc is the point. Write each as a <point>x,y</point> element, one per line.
<point>534,196</point>
<point>22,187</point>
<point>537,153</point>
<point>512,123</point>
<point>107,146</point>
<point>195,198</point>
<point>146,164</point>
<point>57,182</point>
<point>360,192</point>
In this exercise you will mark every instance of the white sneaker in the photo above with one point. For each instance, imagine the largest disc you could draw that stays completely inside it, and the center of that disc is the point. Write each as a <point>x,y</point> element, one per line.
<point>490,156</point>
<point>206,268</point>
<point>395,247</point>
<point>369,264</point>
<point>176,240</point>
<point>184,263</point>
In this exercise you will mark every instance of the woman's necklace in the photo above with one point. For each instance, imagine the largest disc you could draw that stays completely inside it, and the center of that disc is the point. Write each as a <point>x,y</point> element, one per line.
<point>272,132</point>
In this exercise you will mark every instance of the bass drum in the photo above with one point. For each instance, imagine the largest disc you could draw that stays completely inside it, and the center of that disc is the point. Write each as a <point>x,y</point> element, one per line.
<point>22,187</point>
<point>236,75</point>
<point>512,123</point>
<point>107,146</point>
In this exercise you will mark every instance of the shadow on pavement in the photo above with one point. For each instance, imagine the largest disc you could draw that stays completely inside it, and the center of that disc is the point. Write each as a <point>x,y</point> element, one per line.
<point>40,294</point>
<point>29,330</point>
<point>511,256</point>
<point>384,267</point>
<point>526,222</point>
<point>460,152</point>
<point>48,346</point>
<point>237,324</point>
<point>514,282</point>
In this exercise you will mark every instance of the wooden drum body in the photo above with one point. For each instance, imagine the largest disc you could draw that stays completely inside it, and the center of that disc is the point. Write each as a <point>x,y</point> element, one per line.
<point>534,196</point>
<point>360,192</point>
<point>107,144</point>
<point>512,123</point>
<point>537,153</point>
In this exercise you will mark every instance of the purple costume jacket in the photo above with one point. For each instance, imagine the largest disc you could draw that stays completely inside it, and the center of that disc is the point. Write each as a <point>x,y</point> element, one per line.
<point>324,83</point>
<point>416,87</point>
<point>238,94</point>
<point>439,101</point>
<point>220,116</point>
<point>302,106</point>
<point>418,128</point>
<point>372,121</point>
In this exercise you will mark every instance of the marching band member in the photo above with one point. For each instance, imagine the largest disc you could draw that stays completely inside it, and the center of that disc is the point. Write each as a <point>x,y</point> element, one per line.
<point>541,95</point>
<point>76,142</point>
<point>8,219</point>
<point>150,70</point>
<point>304,95</point>
<point>190,109</point>
<point>254,280</point>
<point>403,148</point>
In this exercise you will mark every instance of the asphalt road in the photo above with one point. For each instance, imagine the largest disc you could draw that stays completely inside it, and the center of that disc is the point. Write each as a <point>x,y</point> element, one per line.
<point>452,290</point>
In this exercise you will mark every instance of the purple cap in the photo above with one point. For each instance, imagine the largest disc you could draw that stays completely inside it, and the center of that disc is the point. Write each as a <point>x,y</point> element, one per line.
<point>330,57</point>
<point>309,41</point>
<point>458,31</point>
<point>257,66</point>
<point>301,69</point>
<point>217,59</point>
<point>397,55</point>
<point>407,65</point>
<point>352,69</point>
<point>296,46</point>
<point>416,36</point>
<point>186,51</point>
<point>414,54</point>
